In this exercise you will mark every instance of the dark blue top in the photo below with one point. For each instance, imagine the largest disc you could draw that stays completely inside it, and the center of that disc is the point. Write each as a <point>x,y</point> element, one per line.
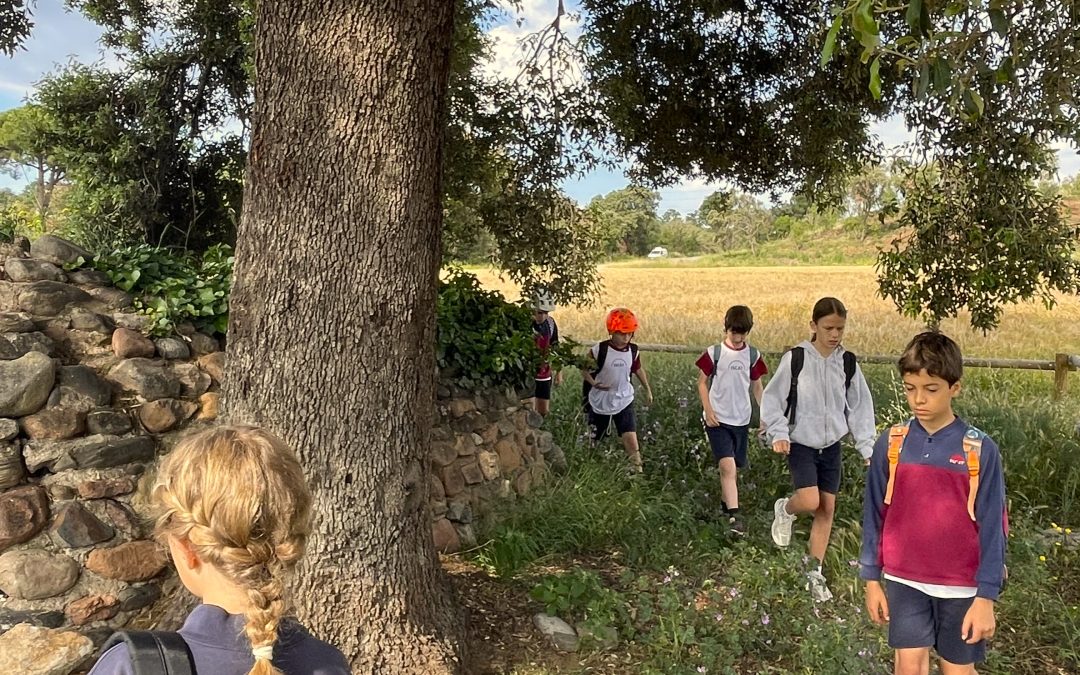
<point>219,646</point>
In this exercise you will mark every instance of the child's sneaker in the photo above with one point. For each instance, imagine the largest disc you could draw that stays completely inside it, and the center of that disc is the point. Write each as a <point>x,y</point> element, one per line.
<point>736,524</point>
<point>781,524</point>
<point>816,585</point>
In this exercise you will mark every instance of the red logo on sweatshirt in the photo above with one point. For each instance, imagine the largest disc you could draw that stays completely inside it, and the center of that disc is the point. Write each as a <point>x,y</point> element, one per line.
<point>957,459</point>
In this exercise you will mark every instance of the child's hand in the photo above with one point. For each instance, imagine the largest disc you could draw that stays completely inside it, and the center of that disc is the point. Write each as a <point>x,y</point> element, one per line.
<point>877,605</point>
<point>979,621</point>
<point>558,378</point>
<point>781,447</point>
<point>601,387</point>
<point>710,418</point>
<point>648,397</point>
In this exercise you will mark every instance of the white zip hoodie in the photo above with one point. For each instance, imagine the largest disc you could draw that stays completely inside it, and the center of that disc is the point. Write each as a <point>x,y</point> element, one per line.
<point>823,414</point>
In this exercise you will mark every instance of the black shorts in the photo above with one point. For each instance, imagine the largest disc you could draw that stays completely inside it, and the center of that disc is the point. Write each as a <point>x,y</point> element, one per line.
<point>728,441</point>
<point>919,620</point>
<point>625,422</point>
<point>542,390</point>
<point>815,467</point>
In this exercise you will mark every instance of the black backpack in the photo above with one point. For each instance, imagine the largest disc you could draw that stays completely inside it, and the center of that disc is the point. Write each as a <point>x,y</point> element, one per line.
<point>601,356</point>
<point>798,354</point>
<point>155,652</point>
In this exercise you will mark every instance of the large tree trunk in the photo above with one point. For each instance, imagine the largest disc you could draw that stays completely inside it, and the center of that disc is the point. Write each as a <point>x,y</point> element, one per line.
<point>331,337</point>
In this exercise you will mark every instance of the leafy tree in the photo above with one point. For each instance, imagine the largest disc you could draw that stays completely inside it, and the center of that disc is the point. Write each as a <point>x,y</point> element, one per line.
<point>627,219</point>
<point>27,149</point>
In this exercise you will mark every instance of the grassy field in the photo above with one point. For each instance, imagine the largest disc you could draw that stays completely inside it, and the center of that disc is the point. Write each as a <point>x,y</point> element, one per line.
<point>649,567</point>
<point>686,306</point>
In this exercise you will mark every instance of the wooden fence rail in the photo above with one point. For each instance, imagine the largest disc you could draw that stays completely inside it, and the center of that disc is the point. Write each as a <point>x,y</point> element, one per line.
<point>1061,364</point>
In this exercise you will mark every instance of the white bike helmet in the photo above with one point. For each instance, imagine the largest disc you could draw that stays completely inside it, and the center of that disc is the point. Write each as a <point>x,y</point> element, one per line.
<point>543,302</point>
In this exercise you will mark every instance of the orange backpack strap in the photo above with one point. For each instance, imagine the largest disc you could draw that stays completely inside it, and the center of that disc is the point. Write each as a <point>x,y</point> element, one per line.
<point>897,434</point>
<point>972,453</point>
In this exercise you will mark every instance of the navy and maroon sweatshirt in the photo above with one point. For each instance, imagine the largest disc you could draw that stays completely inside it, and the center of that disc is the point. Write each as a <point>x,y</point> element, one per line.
<point>926,534</point>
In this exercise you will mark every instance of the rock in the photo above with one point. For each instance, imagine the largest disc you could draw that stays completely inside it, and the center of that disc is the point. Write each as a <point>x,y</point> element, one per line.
<point>87,277</point>
<point>193,381</point>
<point>136,322</point>
<point>561,634</point>
<point>91,322</point>
<point>112,298</point>
<point>435,489</point>
<point>556,459</point>
<point>465,445</point>
<point>490,434</point>
<point>534,419</point>
<point>214,366</point>
<point>24,343</point>
<point>127,344</point>
<point>11,466</point>
<point>76,527</point>
<point>58,251</point>
<point>106,487</point>
<point>459,512</point>
<point>23,513</point>
<point>172,348</point>
<point>137,597</point>
<point>442,453</point>
<point>108,422</point>
<point>33,575</point>
<point>472,473</point>
<point>445,536</point>
<point>16,322</point>
<point>453,481</point>
<point>489,464</point>
<point>604,637</point>
<point>124,520</point>
<point>146,378</point>
<point>165,414</point>
<point>92,608</point>
<point>208,406</point>
<point>467,535</point>
<point>82,388</point>
<point>93,452</point>
<point>50,298</point>
<point>458,407</point>
<point>54,424</point>
<point>523,483</point>
<point>25,384</point>
<point>25,270</point>
<point>133,561</point>
<point>31,650</point>
<point>438,510</point>
<point>92,349</point>
<point>9,429</point>
<point>9,618</point>
<point>509,456</point>
<point>59,492</point>
<point>201,344</point>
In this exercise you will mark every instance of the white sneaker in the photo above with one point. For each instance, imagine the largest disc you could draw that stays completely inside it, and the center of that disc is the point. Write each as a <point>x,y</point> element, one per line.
<point>816,586</point>
<point>781,524</point>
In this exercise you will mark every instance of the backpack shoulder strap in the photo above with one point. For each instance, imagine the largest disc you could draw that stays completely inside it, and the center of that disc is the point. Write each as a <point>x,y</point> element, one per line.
<point>155,652</point>
<point>797,356</point>
<point>850,363</point>
<point>897,435</point>
<point>633,351</point>
<point>601,356</point>
<point>973,440</point>
<point>754,356</point>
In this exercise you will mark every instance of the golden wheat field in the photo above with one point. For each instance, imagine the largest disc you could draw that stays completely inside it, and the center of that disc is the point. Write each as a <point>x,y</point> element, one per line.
<point>686,306</point>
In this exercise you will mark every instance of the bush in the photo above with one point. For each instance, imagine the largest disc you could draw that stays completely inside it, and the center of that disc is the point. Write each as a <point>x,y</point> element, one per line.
<point>173,288</point>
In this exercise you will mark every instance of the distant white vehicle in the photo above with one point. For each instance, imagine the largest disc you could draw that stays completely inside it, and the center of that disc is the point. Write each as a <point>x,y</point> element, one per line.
<point>658,252</point>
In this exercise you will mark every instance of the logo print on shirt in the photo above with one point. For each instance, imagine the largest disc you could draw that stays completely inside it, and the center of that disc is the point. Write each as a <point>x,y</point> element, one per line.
<point>619,363</point>
<point>957,459</point>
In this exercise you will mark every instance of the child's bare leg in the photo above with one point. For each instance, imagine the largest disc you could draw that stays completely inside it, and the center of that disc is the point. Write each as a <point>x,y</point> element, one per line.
<point>948,668</point>
<point>541,405</point>
<point>805,500</point>
<point>914,661</point>
<point>630,443</point>
<point>729,487</point>
<point>822,527</point>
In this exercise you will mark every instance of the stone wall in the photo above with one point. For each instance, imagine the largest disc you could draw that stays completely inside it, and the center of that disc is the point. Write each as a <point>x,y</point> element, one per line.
<point>88,403</point>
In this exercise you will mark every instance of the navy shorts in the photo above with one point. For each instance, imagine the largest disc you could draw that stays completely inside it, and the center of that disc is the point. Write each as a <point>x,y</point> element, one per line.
<point>624,420</point>
<point>918,620</point>
<point>542,390</point>
<point>728,441</point>
<point>815,467</point>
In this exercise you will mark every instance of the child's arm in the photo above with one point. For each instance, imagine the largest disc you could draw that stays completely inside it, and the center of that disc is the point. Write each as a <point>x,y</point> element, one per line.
<point>644,379</point>
<point>860,414</point>
<point>877,478</point>
<point>706,405</point>
<point>586,372</point>
<point>773,402</point>
<point>990,515</point>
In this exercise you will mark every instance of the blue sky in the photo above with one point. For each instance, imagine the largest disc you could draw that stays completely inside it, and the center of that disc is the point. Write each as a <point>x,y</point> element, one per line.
<point>61,36</point>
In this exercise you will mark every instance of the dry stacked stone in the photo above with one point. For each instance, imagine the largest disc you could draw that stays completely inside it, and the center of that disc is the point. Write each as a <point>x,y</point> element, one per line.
<point>87,401</point>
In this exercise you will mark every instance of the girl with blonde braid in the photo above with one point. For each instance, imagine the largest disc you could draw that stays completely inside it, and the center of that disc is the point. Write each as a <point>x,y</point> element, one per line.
<point>235,512</point>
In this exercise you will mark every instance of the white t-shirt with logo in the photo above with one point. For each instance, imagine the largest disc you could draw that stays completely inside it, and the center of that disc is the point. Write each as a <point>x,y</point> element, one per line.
<point>619,364</point>
<point>729,395</point>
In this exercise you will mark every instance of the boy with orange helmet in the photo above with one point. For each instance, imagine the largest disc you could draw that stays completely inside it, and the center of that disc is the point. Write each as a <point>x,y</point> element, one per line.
<point>608,391</point>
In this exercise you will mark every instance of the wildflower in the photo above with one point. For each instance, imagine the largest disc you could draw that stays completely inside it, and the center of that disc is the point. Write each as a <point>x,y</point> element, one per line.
<point>734,592</point>
<point>864,653</point>
<point>667,579</point>
<point>853,563</point>
<point>745,622</point>
<point>1068,530</point>
<point>719,616</point>
<point>1042,558</point>
<point>765,619</point>
<point>702,669</point>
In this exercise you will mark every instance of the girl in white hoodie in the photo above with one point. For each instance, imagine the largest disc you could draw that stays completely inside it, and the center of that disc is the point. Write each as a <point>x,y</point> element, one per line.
<point>806,422</point>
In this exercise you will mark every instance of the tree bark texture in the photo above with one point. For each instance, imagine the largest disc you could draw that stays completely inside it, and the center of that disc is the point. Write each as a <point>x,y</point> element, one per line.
<point>331,334</point>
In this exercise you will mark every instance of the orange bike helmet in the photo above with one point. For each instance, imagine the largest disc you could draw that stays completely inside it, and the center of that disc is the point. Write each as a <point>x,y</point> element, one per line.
<point>621,320</point>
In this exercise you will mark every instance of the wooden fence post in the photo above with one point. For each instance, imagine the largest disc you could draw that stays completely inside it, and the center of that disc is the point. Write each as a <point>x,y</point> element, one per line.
<point>1062,366</point>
